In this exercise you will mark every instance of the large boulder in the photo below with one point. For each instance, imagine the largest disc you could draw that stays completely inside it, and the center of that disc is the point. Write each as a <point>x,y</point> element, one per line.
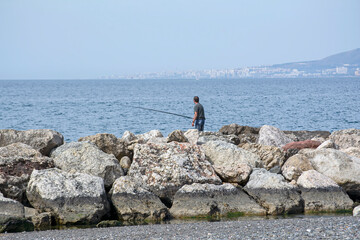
<point>215,136</point>
<point>177,136</point>
<point>346,138</point>
<point>145,137</point>
<point>72,198</point>
<point>295,166</point>
<point>204,200</point>
<point>231,163</point>
<point>356,211</point>
<point>272,136</point>
<point>302,144</point>
<point>134,202</point>
<point>108,143</point>
<point>328,144</point>
<point>17,161</point>
<point>340,167</point>
<point>269,155</point>
<point>192,135</point>
<point>10,208</point>
<point>43,140</point>
<point>298,136</point>
<point>274,193</point>
<point>246,134</point>
<point>320,193</point>
<point>166,167</point>
<point>85,157</point>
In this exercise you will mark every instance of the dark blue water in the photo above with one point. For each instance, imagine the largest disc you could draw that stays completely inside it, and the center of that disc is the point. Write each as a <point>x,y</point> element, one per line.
<point>78,108</point>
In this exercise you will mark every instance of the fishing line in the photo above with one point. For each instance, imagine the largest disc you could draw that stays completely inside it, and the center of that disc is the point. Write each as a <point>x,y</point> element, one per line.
<point>154,110</point>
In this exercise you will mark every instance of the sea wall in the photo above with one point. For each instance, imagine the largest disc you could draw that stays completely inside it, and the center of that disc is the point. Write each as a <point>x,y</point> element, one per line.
<point>238,170</point>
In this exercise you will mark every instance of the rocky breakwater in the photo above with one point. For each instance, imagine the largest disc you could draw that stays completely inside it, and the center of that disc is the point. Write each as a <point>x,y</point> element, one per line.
<point>237,171</point>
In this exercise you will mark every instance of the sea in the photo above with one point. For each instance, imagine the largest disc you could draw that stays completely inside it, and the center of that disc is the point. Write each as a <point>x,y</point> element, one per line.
<point>78,108</point>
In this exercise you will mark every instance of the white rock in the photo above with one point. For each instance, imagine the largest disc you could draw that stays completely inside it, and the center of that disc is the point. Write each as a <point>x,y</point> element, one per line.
<point>272,136</point>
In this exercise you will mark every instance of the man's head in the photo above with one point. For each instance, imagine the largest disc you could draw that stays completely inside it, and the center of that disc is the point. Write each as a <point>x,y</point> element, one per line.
<point>196,99</point>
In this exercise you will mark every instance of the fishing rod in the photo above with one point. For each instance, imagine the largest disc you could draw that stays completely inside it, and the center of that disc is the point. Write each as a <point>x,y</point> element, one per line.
<point>154,110</point>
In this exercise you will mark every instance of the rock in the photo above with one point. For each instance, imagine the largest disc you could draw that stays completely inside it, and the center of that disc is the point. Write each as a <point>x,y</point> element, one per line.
<point>295,166</point>
<point>246,134</point>
<point>16,225</point>
<point>42,221</point>
<point>125,163</point>
<point>143,138</point>
<point>204,200</point>
<point>237,129</point>
<point>177,136</point>
<point>231,163</point>
<point>10,208</point>
<point>298,136</point>
<point>352,151</point>
<point>273,193</point>
<point>156,140</point>
<point>320,193</point>
<point>30,212</point>
<point>302,144</point>
<point>214,136</point>
<point>109,223</point>
<point>43,140</point>
<point>85,157</point>
<point>269,155</point>
<point>128,137</point>
<point>192,135</point>
<point>272,136</point>
<point>166,167</point>
<point>346,138</point>
<point>71,198</point>
<point>108,143</point>
<point>135,203</point>
<point>17,161</point>
<point>328,144</point>
<point>356,211</point>
<point>340,167</point>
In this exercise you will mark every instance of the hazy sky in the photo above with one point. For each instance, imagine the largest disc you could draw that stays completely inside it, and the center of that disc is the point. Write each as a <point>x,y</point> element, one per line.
<point>55,39</point>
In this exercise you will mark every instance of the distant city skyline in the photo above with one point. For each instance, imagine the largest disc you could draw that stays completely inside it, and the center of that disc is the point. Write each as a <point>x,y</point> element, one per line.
<point>87,39</point>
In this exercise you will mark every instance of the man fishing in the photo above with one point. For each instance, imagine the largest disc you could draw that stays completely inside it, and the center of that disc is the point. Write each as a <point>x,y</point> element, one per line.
<point>199,115</point>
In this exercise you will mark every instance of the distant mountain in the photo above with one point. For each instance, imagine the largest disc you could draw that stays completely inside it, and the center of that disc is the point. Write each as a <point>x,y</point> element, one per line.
<point>350,57</point>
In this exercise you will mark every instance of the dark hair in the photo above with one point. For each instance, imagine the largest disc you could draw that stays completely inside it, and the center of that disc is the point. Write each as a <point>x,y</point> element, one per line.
<point>196,99</point>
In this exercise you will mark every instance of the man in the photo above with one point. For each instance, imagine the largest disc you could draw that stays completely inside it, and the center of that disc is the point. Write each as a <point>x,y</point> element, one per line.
<point>199,115</point>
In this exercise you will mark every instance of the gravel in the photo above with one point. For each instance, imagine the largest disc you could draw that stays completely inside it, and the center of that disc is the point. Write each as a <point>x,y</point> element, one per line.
<point>347,227</point>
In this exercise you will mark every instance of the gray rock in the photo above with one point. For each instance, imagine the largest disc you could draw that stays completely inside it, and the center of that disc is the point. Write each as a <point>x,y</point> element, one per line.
<point>270,156</point>
<point>145,137</point>
<point>202,200</point>
<point>346,138</point>
<point>166,167</point>
<point>215,136</point>
<point>85,157</point>
<point>42,221</point>
<point>17,161</point>
<point>30,212</point>
<point>135,203</point>
<point>340,167</point>
<point>273,193</point>
<point>298,136</point>
<point>108,143</point>
<point>71,198</point>
<point>246,134</point>
<point>192,135</point>
<point>177,136</point>
<point>16,225</point>
<point>320,193</point>
<point>352,151</point>
<point>231,163</point>
<point>356,211</point>
<point>272,136</point>
<point>10,209</point>
<point>43,140</point>
<point>295,166</point>
<point>128,137</point>
<point>125,163</point>
<point>328,144</point>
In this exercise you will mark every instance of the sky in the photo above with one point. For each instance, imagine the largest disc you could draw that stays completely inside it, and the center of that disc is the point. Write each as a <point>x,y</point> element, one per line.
<point>87,39</point>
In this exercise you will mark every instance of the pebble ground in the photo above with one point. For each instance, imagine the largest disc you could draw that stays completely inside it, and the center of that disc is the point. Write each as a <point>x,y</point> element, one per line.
<point>347,227</point>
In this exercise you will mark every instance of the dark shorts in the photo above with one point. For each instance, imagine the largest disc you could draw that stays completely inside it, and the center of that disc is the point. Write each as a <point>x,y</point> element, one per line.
<point>199,124</point>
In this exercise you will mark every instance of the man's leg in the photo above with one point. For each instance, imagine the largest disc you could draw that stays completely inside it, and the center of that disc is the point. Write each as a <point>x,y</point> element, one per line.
<point>202,123</point>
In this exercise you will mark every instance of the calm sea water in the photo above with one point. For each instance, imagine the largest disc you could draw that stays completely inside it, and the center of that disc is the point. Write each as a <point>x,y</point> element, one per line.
<point>78,108</point>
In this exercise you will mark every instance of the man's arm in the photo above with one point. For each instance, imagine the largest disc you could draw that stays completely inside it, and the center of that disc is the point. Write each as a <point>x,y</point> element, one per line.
<point>195,116</point>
